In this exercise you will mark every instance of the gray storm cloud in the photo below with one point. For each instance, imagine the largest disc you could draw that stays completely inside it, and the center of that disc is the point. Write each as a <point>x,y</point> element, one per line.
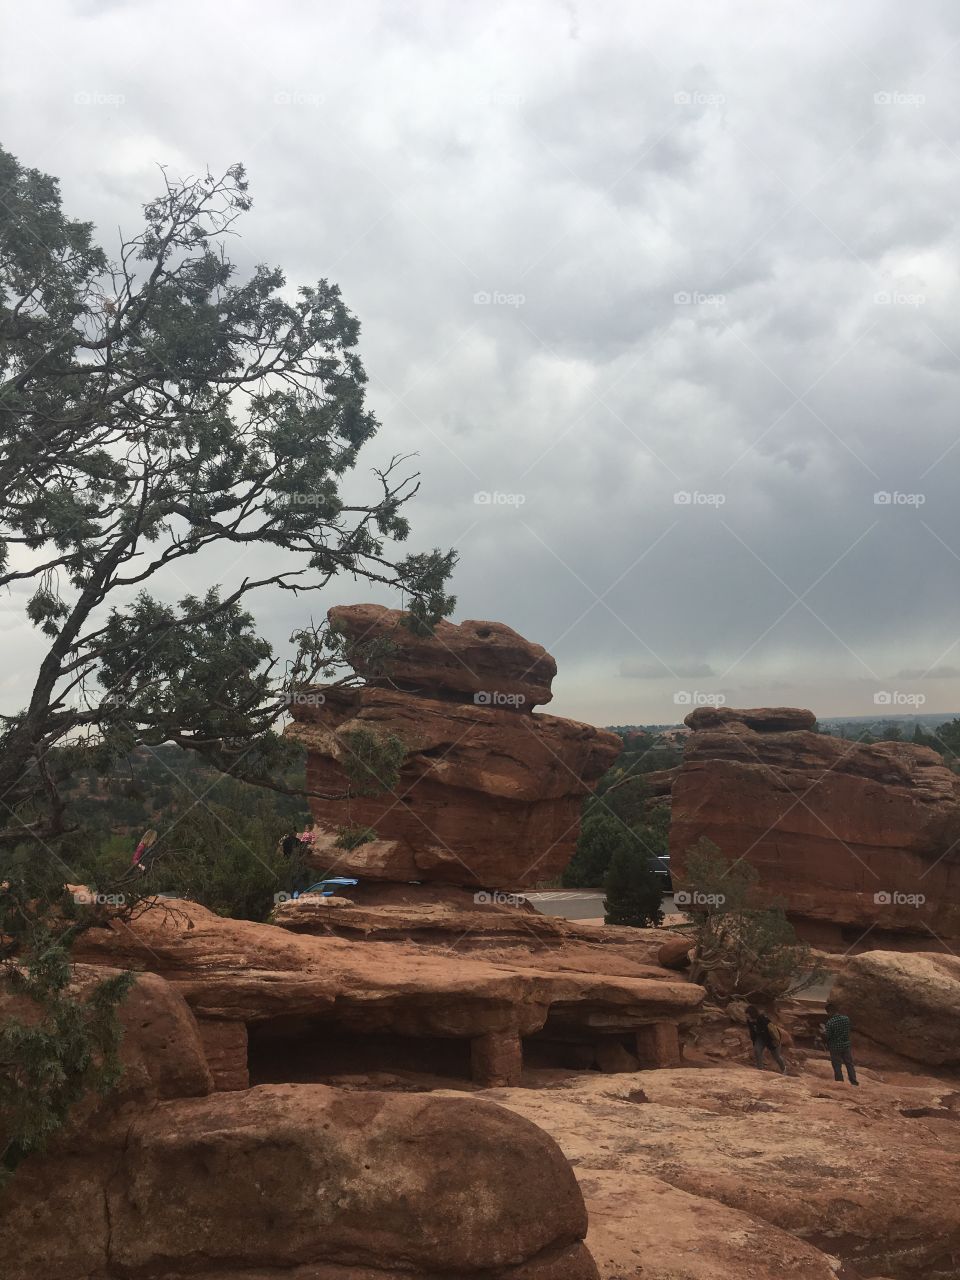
<point>665,301</point>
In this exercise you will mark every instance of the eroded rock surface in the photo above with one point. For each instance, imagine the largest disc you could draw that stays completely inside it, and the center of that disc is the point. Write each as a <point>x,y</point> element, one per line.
<point>460,660</point>
<point>730,1174</point>
<point>486,797</point>
<point>908,1002</point>
<point>855,839</point>
<point>284,1177</point>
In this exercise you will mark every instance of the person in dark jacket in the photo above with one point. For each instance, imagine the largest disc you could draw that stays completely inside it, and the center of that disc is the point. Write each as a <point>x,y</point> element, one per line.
<point>765,1038</point>
<point>836,1034</point>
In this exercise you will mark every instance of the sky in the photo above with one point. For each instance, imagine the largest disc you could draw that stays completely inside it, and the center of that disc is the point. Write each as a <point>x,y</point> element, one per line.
<point>665,298</point>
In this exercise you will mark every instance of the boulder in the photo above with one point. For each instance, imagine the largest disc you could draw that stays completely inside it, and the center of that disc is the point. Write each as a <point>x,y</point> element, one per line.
<point>161,1051</point>
<point>473,660</point>
<point>280,1178</point>
<point>675,954</point>
<point>486,798</point>
<point>858,841</point>
<point>908,1002</point>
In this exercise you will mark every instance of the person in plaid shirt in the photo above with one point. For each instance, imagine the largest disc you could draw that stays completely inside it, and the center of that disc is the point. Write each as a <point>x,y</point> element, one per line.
<point>836,1033</point>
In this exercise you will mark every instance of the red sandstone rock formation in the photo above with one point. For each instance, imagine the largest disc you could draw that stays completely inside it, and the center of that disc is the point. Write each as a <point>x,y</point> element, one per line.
<point>909,1003</point>
<point>847,835</point>
<point>304,1181</point>
<point>466,659</point>
<point>489,794</point>
<point>283,986</point>
<point>728,1173</point>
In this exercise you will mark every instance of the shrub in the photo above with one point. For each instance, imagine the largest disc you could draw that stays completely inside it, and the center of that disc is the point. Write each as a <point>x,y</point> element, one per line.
<point>634,891</point>
<point>744,943</point>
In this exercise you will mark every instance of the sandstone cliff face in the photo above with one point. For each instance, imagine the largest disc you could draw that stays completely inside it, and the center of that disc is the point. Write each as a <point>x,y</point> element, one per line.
<point>489,794</point>
<point>849,836</point>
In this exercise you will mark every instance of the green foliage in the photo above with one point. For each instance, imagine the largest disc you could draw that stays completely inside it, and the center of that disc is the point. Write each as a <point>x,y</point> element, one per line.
<point>634,892</point>
<point>354,837</point>
<point>605,830</point>
<point>745,945</point>
<point>56,1043</point>
<point>154,406</point>
<point>372,761</point>
<point>228,860</point>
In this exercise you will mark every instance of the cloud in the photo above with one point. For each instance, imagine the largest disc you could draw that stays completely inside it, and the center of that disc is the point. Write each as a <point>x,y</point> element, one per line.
<point>637,670</point>
<point>700,216</point>
<point>933,673</point>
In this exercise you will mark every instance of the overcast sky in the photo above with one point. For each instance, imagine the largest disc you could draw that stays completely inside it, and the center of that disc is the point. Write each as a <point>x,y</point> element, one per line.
<point>605,256</point>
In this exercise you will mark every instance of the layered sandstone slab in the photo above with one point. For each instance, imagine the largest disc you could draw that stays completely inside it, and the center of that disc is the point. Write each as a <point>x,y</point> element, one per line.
<point>733,1174</point>
<point>908,1002</point>
<point>851,837</point>
<point>301,1180</point>
<point>486,797</point>
<point>466,659</point>
<point>235,970</point>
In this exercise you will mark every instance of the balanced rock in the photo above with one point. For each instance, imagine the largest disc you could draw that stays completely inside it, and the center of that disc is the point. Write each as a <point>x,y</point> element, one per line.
<point>489,794</point>
<point>487,660</point>
<point>859,841</point>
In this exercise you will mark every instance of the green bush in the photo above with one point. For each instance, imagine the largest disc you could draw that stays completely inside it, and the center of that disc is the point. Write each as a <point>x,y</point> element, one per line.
<point>634,892</point>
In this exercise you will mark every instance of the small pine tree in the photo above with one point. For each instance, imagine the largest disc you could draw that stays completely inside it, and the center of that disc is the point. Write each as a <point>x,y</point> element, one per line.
<point>634,892</point>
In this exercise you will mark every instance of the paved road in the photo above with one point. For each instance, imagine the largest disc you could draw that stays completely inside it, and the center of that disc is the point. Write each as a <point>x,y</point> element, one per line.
<point>577,904</point>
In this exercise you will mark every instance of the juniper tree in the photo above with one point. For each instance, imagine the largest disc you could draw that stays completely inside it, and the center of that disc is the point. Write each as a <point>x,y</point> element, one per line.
<point>155,406</point>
